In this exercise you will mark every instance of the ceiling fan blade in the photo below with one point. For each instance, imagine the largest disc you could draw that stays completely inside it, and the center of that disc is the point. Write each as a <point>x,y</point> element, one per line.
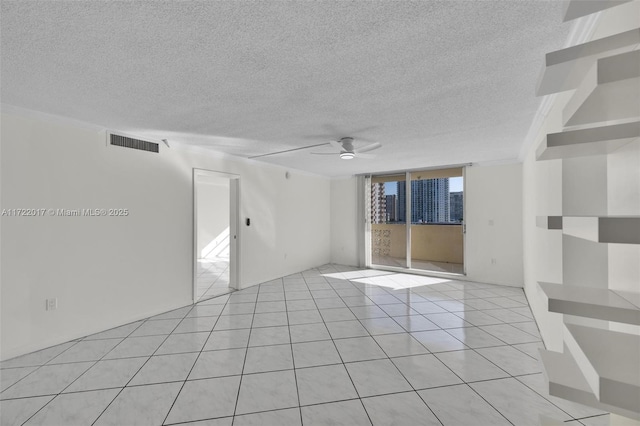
<point>287,150</point>
<point>365,156</point>
<point>337,145</point>
<point>369,147</point>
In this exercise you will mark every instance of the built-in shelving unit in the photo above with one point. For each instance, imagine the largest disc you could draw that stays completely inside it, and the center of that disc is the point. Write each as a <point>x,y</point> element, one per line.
<point>566,68</point>
<point>549,222</point>
<point>567,381</point>
<point>600,362</point>
<point>609,362</point>
<point>590,302</point>
<point>578,8</point>
<point>620,230</point>
<point>592,141</point>
<point>610,91</point>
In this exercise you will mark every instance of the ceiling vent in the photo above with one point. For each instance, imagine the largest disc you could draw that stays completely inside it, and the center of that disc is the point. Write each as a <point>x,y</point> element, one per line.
<point>132,143</point>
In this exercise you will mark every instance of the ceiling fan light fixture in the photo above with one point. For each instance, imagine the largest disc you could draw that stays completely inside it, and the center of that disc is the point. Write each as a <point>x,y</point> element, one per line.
<point>347,155</point>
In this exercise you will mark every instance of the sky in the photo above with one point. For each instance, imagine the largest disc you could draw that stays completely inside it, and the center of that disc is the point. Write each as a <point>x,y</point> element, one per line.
<point>455,185</point>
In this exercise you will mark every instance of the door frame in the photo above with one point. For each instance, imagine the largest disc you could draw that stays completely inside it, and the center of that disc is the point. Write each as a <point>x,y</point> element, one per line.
<point>234,228</point>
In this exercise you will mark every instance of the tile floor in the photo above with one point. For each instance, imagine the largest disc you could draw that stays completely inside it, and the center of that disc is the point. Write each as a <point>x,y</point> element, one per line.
<point>328,346</point>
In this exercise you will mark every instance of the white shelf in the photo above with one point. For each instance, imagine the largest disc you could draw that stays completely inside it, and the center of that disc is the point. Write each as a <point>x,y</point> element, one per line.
<point>564,69</point>
<point>566,381</point>
<point>610,363</point>
<point>610,91</point>
<point>549,222</point>
<point>592,141</point>
<point>620,230</point>
<point>578,8</point>
<point>629,296</point>
<point>590,302</point>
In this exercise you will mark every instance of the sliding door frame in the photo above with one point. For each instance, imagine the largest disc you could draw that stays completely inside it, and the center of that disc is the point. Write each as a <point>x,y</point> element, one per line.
<point>364,209</point>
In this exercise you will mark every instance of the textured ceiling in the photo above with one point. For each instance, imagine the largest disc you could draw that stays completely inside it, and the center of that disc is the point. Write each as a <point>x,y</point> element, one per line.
<point>435,82</point>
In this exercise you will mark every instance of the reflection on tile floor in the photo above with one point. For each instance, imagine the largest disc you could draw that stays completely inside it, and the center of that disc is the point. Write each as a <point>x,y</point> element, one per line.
<point>212,277</point>
<point>332,345</point>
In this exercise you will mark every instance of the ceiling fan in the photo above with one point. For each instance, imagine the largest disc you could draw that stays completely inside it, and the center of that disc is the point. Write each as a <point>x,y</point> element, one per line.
<point>345,149</point>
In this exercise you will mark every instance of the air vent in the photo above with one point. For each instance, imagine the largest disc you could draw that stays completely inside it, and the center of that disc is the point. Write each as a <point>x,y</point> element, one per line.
<point>126,142</point>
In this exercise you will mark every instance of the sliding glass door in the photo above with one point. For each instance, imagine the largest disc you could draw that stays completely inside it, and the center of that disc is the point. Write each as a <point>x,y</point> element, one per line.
<point>419,225</point>
<point>388,221</point>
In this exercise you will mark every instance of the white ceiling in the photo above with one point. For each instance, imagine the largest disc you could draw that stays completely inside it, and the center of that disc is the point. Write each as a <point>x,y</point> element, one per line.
<point>435,82</point>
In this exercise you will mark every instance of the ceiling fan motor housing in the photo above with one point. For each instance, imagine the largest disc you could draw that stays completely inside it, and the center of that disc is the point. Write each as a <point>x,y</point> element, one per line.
<point>347,144</point>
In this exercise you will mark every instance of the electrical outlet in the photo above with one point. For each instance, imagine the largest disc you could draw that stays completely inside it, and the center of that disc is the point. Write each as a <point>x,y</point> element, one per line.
<point>52,304</point>
<point>493,261</point>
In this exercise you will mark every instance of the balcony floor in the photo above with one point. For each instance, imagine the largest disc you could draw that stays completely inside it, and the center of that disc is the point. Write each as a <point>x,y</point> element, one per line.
<point>422,265</point>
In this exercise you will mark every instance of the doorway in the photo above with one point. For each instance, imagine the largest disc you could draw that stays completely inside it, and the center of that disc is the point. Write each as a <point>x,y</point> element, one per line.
<point>215,233</point>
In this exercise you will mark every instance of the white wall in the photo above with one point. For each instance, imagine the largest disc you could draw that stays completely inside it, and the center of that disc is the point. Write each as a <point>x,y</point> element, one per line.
<point>493,193</point>
<point>212,210</point>
<point>107,271</point>
<point>493,214</point>
<point>344,247</point>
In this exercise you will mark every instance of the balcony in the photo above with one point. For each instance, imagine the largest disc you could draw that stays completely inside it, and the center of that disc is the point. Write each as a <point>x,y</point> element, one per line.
<point>434,247</point>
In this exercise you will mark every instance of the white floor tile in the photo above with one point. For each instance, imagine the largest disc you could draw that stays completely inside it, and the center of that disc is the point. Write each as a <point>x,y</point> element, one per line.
<point>516,402</point>
<point>461,406</point>
<point>304,317</point>
<point>267,391</point>
<point>10,376</point>
<point>47,380</point>
<point>225,362</point>
<point>377,377</point>
<point>81,408</point>
<point>359,349</point>
<point>86,350</point>
<point>112,373</point>
<point>346,413</point>
<point>140,405</point>
<point>156,327</point>
<point>511,360</point>
<point>312,354</point>
<point>228,339</point>
<point>269,336</point>
<point>474,337</point>
<point>438,341</point>
<point>400,409</point>
<point>400,345</point>
<point>181,343</point>
<point>261,359</point>
<point>344,329</point>
<point>425,371</point>
<point>205,399</point>
<point>165,368</point>
<point>136,347</point>
<point>17,411</point>
<point>289,417</point>
<point>470,366</point>
<point>308,332</point>
<point>324,384</point>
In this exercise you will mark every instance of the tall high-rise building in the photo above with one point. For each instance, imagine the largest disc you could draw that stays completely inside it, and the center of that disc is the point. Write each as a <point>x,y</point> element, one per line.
<point>378,203</point>
<point>429,200</point>
<point>455,207</point>
<point>392,208</point>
